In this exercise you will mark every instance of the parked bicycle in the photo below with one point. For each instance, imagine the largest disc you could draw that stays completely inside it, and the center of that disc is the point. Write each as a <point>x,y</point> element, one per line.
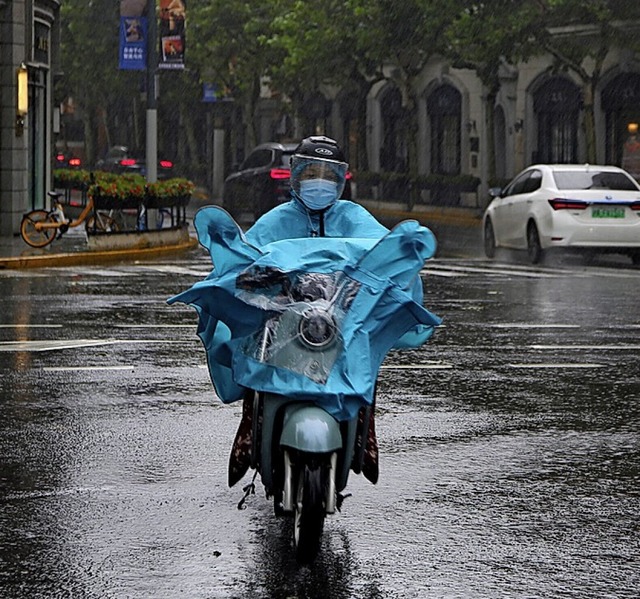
<point>40,227</point>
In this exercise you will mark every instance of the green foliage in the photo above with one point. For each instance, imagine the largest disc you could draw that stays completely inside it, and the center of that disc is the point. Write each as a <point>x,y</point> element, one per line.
<point>121,188</point>
<point>118,187</point>
<point>68,178</point>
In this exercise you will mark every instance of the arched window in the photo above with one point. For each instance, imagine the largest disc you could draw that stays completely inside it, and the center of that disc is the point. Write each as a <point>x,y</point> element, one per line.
<point>393,150</point>
<point>556,105</point>
<point>621,106</point>
<point>444,106</point>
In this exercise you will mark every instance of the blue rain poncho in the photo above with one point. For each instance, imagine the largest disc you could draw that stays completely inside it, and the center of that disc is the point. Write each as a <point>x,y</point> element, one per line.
<point>309,318</point>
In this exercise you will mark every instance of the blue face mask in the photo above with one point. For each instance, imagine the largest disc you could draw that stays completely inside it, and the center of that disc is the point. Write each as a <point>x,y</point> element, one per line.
<point>318,194</point>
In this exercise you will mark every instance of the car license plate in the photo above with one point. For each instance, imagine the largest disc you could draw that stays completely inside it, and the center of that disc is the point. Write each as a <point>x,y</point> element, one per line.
<point>607,212</point>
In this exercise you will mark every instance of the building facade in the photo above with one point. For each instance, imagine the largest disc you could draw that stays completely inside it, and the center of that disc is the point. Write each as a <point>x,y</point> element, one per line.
<point>28,40</point>
<point>539,116</point>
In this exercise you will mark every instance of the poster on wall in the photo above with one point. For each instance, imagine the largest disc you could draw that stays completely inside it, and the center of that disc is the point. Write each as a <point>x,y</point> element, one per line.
<point>172,34</point>
<point>133,36</point>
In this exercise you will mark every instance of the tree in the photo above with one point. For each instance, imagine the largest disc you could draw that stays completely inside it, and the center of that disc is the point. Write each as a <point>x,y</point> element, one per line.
<point>362,41</point>
<point>317,43</point>
<point>89,46</point>
<point>227,51</point>
<point>484,37</point>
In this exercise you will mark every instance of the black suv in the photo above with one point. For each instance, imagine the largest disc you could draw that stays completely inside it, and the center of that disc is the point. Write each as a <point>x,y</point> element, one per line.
<point>262,182</point>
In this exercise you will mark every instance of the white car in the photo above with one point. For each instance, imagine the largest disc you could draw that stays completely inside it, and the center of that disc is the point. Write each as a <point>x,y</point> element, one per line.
<point>578,206</point>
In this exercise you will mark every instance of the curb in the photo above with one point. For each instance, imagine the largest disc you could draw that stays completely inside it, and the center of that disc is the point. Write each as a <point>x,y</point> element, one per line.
<point>93,258</point>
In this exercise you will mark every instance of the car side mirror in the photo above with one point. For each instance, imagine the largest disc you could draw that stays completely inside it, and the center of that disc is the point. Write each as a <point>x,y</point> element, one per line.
<point>495,192</point>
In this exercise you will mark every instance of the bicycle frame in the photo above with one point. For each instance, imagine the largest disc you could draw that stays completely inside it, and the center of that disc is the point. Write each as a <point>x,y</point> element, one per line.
<point>39,226</point>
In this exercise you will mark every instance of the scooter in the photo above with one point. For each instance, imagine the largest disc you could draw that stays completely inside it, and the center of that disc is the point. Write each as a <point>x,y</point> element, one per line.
<point>300,327</point>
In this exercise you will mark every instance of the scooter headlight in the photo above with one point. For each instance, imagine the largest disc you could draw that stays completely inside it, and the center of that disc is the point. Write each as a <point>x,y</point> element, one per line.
<point>317,329</point>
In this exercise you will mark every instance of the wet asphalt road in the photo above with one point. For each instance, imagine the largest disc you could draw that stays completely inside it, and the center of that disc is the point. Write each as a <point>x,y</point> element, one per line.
<point>510,463</point>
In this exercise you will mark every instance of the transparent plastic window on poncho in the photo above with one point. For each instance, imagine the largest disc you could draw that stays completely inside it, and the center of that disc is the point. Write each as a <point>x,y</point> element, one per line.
<point>304,313</point>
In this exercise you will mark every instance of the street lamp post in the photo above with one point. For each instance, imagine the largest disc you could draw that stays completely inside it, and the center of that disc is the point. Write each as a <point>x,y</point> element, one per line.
<point>152,99</point>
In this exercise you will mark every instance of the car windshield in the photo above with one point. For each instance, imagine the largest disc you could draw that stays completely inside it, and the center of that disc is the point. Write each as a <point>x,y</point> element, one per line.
<point>593,180</point>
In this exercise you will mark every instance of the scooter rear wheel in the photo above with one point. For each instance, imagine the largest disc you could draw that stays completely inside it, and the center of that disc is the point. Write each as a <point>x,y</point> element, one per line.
<point>309,512</point>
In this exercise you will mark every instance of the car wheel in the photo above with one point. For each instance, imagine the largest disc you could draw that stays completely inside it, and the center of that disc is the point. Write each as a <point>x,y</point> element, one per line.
<point>534,250</point>
<point>489,239</point>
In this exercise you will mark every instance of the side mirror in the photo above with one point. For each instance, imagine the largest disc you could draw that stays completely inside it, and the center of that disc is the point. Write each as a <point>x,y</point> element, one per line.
<point>495,192</point>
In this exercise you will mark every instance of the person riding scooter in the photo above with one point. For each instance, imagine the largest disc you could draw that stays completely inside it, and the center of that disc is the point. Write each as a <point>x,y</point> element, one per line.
<point>318,177</point>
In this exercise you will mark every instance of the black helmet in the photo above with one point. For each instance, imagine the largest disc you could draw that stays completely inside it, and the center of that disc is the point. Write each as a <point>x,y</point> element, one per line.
<point>318,172</point>
<point>319,146</point>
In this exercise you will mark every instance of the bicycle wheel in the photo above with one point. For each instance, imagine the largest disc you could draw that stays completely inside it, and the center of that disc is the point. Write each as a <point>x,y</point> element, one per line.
<point>101,223</point>
<point>31,235</point>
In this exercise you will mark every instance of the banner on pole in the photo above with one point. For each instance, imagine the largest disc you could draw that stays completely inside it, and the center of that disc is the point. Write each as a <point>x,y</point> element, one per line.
<point>133,35</point>
<point>173,15</point>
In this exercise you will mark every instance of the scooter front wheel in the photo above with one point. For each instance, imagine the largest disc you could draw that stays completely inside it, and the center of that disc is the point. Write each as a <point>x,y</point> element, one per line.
<point>37,238</point>
<point>309,512</point>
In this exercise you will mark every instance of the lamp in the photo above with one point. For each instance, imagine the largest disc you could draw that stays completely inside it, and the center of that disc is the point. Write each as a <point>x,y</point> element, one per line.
<point>22,106</point>
<point>518,125</point>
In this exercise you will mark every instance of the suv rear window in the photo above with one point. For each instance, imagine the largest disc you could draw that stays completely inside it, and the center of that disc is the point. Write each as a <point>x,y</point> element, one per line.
<point>594,180</point>
<point>285,159</point>
<point>257,158</point>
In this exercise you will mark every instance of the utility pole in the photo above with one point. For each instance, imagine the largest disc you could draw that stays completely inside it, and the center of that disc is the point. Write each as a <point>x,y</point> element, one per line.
<point>152,99</point>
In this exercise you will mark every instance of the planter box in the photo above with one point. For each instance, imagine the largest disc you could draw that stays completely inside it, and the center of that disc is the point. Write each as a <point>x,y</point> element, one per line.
<point>171,202</point>
<point>111,203</point>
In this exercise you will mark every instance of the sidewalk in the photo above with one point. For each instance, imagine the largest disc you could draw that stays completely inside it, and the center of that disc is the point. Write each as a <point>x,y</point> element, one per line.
<point>72,250</point>
<point>457,230</point>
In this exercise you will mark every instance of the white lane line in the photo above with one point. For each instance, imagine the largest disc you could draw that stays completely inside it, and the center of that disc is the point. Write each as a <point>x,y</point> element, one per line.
<point>526,325</point>
<point>622,346</point>
<point>37,346</point>
<point>500,271</point>
<point>431,366</point>
<point>155,326</point>
<point>87,368</point>
<point>556,366</point>
<point>108,274</point>
<point>53,345</point>
<point>176,270</point>
<point>441,273</point>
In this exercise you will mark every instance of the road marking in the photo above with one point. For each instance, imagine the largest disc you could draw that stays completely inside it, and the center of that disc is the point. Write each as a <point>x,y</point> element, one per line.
<point>525,325</point>
<point>437,269</point>
<point>456,267</point>
<point>441,273</point>
<point>175,270</point>
<point>58,344</point>
<point>155,326</point>
<point>37,346</point>
<point>557,366</point>
<point>429,366</point>
<point>89,368</point>
<point>622,346</point>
